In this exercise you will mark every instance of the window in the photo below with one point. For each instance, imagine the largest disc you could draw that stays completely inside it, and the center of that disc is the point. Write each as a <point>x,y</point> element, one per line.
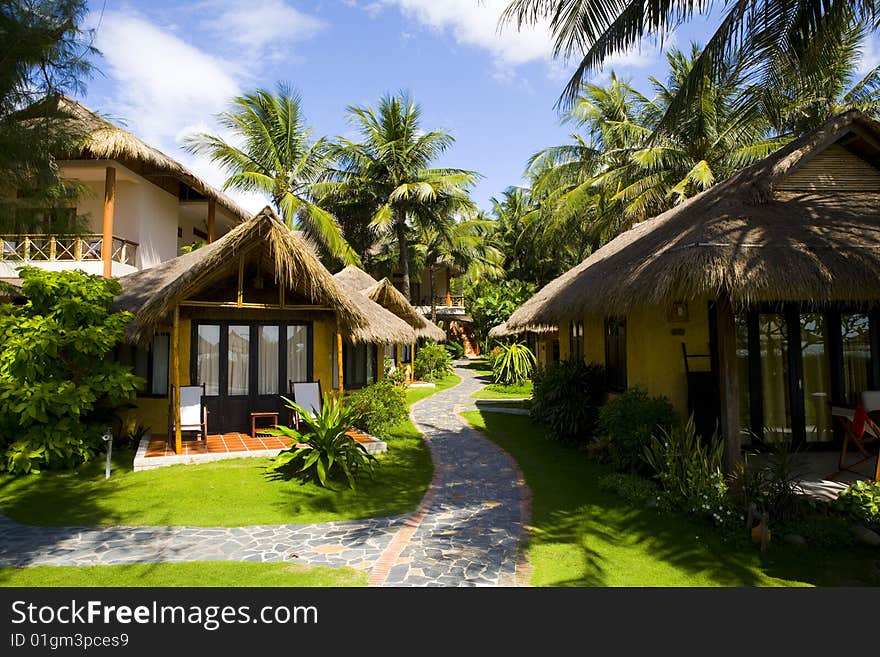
<point>298,353</point>
<point>150,364</point>
<point>208,358</point>
<point>576,340</point>
<point>267,360</point>
<point>856,337</point>
<point>615,353</point>
<point>238,364</point>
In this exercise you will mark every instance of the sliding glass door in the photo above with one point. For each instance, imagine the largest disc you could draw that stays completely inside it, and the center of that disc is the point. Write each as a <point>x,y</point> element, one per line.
<point>247,367</point>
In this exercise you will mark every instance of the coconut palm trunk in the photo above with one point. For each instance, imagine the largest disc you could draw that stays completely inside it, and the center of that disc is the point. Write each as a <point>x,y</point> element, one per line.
<point>431,272</point>
<point>403,256</point>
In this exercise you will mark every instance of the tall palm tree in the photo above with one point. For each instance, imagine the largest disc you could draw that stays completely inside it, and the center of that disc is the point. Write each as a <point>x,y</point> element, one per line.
<point>463,244</point>
<point>593,30</point>
<point>391,167</point>
<point>277,157</point>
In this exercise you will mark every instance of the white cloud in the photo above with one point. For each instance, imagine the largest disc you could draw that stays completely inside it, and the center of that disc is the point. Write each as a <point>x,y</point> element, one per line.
<point>870,58</point>
<point>260,26</point>
<point>165,88</point>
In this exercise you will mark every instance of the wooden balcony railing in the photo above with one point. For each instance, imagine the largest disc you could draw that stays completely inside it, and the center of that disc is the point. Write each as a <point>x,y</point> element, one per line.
<point>54,248</point>
<point>444,302</point>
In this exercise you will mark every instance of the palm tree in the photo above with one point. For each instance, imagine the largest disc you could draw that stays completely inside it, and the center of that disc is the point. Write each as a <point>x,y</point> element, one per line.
<point>463,244</point>
<point>277,157</point>
<point>391,167</point>
<point>593,30</point>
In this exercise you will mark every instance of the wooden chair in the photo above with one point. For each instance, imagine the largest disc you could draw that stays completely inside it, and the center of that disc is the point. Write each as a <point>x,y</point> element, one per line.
<point>859,429</point>
<point>193,412</point>
<point>306,394</point>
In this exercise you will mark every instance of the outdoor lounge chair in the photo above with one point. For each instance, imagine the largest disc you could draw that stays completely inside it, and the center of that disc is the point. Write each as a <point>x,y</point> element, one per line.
<point>193,412</point>
<point>860,429</point>
<point>306,394</point>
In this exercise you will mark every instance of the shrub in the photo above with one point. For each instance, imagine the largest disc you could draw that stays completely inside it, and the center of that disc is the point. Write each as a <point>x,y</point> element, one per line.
<point>323,451</point>
<point>629,421</point>
<point>491,302</point>
<point>566,399</point>
<point>634,490</point>
<point>513,364</point>
<point>378,407</point>
<point>455,349</point>
<point>861,502</point>
<point>60,388</point>
<point>773,488</point>
<point>395,374</point>
<point>688,470</point>
<point>432,362</point>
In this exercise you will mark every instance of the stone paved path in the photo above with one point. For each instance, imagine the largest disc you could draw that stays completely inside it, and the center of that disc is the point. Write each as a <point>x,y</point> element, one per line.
<point>465,533</point>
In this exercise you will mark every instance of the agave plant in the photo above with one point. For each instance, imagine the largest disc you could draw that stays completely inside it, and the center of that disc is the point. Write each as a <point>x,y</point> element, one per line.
<point>322,448</point>
<point>513,364</point>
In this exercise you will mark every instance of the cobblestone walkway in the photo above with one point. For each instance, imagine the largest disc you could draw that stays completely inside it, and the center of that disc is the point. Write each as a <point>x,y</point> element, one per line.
<point>465,532</point>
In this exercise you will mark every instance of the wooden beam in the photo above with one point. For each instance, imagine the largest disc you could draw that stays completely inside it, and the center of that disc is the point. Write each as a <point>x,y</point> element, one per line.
<point>212,219</point>
<point>109,203</point>
<point>175,376</point>
<point>412,362</point>
<point>339,363</point>
<point>448,286</point>
<point>728,385</point>
<point>251,306</point>
<point>240,300</point>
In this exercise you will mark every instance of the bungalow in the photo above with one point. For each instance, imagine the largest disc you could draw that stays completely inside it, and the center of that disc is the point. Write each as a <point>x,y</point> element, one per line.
<point>362,364</point>
<point>756,302</point>
<point>137,209</point>
<point>245,317</point>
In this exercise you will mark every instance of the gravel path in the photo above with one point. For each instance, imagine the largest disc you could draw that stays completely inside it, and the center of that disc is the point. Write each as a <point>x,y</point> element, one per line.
<point>465,532</point>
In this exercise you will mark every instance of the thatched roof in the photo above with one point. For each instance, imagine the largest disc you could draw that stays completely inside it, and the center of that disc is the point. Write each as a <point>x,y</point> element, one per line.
<point>502,330</point>
<point>151,294</point>
<point>389,297</point>
<point>104,141</point>
<point>389,328</point>
<point>742,237</point>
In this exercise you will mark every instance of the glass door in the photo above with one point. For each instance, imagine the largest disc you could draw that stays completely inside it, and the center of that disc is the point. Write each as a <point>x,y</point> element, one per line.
<point>775,363</point>
<point>816,380</point>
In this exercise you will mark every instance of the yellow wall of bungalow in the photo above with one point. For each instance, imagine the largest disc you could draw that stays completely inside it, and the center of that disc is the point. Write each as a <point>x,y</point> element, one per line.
<point>654,359</point>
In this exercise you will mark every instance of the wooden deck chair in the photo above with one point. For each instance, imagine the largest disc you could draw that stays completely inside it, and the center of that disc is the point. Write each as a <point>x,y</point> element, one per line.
<point>193,412</point>
<point>860,429</point>
<point>306,394</point>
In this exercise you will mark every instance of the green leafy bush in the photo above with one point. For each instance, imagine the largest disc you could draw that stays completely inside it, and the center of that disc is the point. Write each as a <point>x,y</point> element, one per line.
<point>378,407</point>
<point>861,502</point>
<point>455,349</point>
<point>322,451</point>
<point>773,487</point>
<point>634,490</point>
<point>432,362</point>
<point>688,469</point>
<point>60,388</point>
<point>566,399</point>
<point>491,302</point>
<point>512,364</point>
<point>629,421</point>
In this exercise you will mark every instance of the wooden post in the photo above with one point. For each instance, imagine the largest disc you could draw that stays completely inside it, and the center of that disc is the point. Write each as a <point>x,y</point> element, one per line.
<point>212,219</point>
<point>412,362</point>
<point>240,297</point>
<point>448,288</point>
<point>339,363</point>
<point>175,377</point>
<point>728,387</point>
<point>52,248</point>
<point>109,202</point>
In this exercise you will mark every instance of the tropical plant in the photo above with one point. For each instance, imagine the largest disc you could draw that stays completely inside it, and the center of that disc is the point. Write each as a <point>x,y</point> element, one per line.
<point>393,373</point>
<point>323,451</point>
<point>277,157</point>
<point>492,302</point>
<point>432,362</point>
<point>60,388</point>
<point>378,407</point>
<point>861,502</point>
<point>634,490</point>
<point>772,487</point>
<point>566,399</point>
<point>513,365</point>
<point>688,469</point>
<point>455,349</point>
<point>630,420</point>
<point>389,171</point>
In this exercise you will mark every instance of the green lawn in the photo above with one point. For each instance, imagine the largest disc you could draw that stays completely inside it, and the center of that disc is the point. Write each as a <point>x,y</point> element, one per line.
<point>497,391</point>
<point>584,536</point>
<point>415,394</point>
<point>225,493</point>
<point>192,573</point>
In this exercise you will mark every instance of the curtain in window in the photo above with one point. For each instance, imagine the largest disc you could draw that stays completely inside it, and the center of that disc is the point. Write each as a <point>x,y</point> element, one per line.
<point>239,360</point>
<point>208,358</point>
<point>298,353</point>
<point>159,378</point>
<point>773,336</point>
<point>267,365</point>
<point>856,333</point>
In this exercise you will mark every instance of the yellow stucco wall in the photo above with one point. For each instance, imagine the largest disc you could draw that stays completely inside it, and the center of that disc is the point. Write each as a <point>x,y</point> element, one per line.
<point>653,348</point>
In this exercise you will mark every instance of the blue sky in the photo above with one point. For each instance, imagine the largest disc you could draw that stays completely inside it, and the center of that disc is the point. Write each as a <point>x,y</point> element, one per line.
<point>168,67</point>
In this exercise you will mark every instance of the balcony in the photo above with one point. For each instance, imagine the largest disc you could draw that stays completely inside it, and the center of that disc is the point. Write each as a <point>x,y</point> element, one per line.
<point>60,252</point>
<point>446,306</point>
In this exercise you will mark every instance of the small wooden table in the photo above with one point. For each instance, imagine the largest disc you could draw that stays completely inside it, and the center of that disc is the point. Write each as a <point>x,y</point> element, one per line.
<point>263,415</point>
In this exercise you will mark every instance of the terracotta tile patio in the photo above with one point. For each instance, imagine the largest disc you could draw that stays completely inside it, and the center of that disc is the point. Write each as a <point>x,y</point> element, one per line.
<point>229,442</point>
